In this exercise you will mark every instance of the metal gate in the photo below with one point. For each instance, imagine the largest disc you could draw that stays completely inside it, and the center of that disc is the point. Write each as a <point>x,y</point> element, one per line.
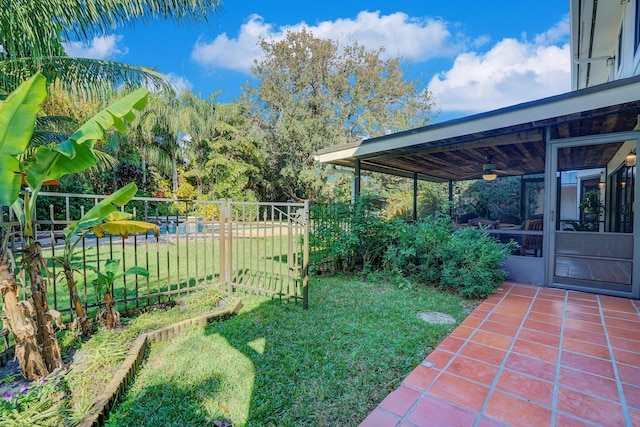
<point>264,248</point>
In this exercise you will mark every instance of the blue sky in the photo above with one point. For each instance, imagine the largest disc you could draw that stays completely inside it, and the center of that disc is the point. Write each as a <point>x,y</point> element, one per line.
<point>473,55</point>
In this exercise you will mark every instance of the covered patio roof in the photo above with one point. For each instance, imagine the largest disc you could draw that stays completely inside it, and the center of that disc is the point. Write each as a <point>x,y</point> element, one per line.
<point>513,138</point>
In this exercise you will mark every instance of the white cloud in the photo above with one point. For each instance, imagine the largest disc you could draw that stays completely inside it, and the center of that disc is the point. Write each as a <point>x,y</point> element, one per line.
<point>415,39</point>
<point>178,82</point>
<point>102,47</point>
<point>510,72</point>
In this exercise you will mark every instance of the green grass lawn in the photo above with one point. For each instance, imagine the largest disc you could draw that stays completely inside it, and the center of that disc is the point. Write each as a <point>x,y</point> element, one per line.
<point>276,364</point>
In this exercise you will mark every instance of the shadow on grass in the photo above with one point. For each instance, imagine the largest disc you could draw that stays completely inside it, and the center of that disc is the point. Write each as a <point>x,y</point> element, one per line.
<point>280,365</point>
<point>163,404</point>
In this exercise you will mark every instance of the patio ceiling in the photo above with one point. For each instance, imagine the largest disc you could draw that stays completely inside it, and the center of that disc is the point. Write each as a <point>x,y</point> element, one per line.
<point>512,138</point>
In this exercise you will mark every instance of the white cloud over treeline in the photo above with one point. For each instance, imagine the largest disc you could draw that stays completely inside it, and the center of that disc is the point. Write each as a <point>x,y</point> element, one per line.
<point>482,75</point>
<point>415,39</point>
<point>510,72</point>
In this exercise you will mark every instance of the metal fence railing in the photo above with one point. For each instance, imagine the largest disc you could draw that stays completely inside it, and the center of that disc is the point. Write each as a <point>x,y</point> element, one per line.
<point>258,247</point>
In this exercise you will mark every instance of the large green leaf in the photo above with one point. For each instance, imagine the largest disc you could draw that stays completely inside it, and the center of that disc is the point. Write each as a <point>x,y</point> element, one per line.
<point>17,120</point>
<point>111,266</point>
<point>125,228</point>
<point>104,210</point>
<point>76,153</point>
<point>141,271</point>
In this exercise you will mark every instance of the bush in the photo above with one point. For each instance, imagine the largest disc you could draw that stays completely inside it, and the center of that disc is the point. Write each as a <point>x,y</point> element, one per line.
<point>350,236</point>
<point>471,261</point>
<point>358,238</point>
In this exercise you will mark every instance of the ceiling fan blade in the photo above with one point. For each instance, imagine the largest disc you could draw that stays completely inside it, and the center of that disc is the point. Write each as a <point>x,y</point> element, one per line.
<point>509,171</point>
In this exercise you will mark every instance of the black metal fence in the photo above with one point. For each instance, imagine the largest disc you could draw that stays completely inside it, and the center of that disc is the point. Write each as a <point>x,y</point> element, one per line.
<point>251,246</point>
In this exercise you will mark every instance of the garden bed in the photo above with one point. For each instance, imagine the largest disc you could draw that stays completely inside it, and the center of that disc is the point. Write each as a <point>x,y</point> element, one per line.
<point>99,369</point>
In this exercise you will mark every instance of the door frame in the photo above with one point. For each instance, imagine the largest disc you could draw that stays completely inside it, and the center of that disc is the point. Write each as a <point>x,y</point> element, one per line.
<point>550,209</point>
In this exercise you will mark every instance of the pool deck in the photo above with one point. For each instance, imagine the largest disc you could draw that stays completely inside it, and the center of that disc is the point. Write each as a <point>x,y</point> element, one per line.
<point>528,356</point>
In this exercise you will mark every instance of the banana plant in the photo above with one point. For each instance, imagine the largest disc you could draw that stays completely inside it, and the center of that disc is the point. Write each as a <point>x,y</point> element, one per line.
<point>103,218</point>
<point>38,351</point>
<point>104,281</point>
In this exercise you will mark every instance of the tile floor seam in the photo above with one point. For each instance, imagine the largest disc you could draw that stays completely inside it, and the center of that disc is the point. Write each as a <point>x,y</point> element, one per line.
<point>501,368</point>
<point>582,420</point>
<point>444,368</point>
<point>614,364</point>
<point>556,382</point>
<point>636,306</point>
<point>586,393</point>
<point>385,411</point>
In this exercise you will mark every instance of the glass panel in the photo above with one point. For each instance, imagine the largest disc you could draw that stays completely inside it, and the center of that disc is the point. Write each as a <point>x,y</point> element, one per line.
<point>596,187</point>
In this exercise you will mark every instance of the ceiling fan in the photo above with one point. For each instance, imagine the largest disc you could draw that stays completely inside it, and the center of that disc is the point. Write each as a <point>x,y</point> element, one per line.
<point>489,171</point>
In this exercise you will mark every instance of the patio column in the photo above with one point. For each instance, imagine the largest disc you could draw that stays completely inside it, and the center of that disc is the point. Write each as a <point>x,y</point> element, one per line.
<point>415,196</point>
<point>451,198</point>
<point>356,180</point>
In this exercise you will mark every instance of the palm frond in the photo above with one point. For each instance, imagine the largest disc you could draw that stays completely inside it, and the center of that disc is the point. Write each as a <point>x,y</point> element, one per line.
<point>83,76</point>
<point>37,28</point>
<point>42,137</point>
<point>56,123</point>
<point>105,161</point>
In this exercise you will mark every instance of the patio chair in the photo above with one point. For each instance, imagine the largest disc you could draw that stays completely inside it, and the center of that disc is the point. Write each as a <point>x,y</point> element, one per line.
<point>487,223</point>
<point>510,219</point>
<point>532,242</point>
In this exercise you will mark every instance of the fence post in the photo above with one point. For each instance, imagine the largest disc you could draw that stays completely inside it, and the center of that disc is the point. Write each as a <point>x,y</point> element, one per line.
<point>229,225</point>
<point>305,257</point>
<point>223,251</point>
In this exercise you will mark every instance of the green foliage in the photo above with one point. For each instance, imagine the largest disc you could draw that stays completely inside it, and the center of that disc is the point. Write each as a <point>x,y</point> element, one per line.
<point>105,278</point>
<point>350,236</point>
<point>313,93</point>
<point>35,404</point>
<point>431,195</point>
<point>471,261</point>
<point>18,117</point>
<point>490,199</point>
<point>34,33</point>
<point>357,237</point>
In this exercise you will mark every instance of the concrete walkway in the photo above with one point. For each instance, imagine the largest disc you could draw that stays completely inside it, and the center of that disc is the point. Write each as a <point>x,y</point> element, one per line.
<point>528,356</point>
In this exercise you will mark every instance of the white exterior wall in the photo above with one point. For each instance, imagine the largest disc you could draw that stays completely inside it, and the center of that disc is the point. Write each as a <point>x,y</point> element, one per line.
<point>630,65</point>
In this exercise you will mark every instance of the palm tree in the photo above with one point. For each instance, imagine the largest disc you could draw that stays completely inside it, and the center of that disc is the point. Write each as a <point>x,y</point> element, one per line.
<point>156,133</point>
<point>32,34</point>
<point>199,121</point>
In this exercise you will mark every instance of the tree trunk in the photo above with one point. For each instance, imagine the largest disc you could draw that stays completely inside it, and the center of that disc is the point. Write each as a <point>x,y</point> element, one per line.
<point>174,175</point>
<point>45,333</point>
<point>112,317</point>
<point>82,321</point>
<point>21,325</point>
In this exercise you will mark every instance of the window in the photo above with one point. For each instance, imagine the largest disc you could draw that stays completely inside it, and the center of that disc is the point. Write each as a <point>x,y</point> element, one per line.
<point>619,48</point>
<point>637,32</point>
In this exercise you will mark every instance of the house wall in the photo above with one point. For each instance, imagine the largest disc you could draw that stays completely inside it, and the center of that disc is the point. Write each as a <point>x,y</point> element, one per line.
<point>609,50</point>
<point>630,64</point>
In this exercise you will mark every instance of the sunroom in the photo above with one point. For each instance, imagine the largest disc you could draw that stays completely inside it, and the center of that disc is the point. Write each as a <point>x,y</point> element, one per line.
<point>575,152</point>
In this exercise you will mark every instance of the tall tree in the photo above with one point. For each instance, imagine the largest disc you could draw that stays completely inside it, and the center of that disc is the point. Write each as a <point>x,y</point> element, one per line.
<point>156,133</point>
<point>223,158</point>
<point>198,121</point>
<point>313,93</point>
<point>233,157</point>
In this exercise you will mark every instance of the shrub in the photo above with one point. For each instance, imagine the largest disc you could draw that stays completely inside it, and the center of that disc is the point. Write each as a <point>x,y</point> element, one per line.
<point>352,237</point>
<point>471,261</point>
<point>358,238</point>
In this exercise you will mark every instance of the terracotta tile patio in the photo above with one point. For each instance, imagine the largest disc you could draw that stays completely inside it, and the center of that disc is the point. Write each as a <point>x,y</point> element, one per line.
<point>528,356</point>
